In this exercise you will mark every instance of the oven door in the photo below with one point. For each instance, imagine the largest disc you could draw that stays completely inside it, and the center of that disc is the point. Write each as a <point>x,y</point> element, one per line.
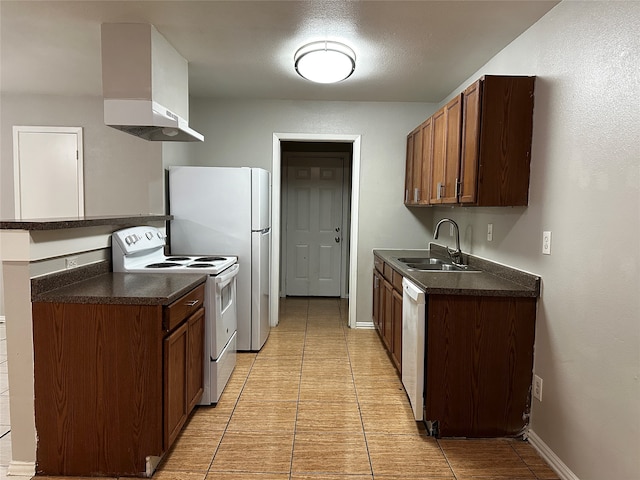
<point>221,303</point>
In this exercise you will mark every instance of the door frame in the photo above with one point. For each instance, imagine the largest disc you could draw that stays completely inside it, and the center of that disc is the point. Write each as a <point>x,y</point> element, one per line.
<point>346,197</point>
<point>17,129</point>
<point>276,189</point>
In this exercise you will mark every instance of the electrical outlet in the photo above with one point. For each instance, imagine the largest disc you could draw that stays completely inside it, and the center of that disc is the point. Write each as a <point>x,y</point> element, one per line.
<point>546,243</point>
<point>490,232</point>
<point>71,262</point>
<point>537,387</point>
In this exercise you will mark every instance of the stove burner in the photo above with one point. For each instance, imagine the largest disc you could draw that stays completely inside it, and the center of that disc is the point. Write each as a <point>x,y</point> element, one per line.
<point>209,259</point>
<point>177,259</point>
<point>200,265</point>
<point>163,265</point>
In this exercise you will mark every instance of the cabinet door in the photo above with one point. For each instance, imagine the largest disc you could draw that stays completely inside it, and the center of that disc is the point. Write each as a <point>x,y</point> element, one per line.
<point>452,161</point>
<point>195,361</point>
<point>176,347</point>
<point>413,175</point>
<point>425,161</point>
<point>438,155</point>
<point>408,173</point>
<point>387,312</point>
<point>470,143</point>
<point>445,156</point>
<point>396,322</point>
<point>377,286</point>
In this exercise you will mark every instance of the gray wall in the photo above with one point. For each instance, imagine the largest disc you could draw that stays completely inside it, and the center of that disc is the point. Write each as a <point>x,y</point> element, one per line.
<point>240,133</point>
<point>122,174</point>
<point>585,188</point>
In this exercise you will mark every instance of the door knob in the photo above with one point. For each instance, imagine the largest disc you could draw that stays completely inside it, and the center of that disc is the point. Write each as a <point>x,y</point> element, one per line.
<point>337,239</point>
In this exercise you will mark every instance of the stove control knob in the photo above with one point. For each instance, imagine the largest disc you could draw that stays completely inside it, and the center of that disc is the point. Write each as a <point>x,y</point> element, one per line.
<point>129,240</point>
<point>149,235</point>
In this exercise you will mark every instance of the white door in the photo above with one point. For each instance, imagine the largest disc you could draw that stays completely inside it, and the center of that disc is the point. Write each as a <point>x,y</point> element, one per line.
<point>48,173</point>
<point>314,223</point>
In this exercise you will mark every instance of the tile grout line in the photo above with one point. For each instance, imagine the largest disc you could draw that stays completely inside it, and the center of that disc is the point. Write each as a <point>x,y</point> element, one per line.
<point>364,433</point>
<point>295,421</point>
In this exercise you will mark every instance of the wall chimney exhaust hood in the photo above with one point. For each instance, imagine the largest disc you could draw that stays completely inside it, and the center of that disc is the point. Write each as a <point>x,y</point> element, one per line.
<point>145,84</point>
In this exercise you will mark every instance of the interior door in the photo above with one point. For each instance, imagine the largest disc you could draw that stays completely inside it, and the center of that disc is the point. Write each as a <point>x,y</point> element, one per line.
<point>314,223</point>
<point>48,172</point>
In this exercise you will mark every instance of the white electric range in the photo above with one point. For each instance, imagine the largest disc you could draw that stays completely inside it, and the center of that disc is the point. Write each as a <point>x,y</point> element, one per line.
<point>141,250</point>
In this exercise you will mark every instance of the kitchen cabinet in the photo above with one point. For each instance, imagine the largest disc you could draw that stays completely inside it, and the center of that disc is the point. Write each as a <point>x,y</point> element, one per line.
<point>114,383</point>
<point>387,317</point>
<point>476,150</point>
<point>418,165</point>
<point>496,141</point>
<point>478,365</point>
<point>445,157</point>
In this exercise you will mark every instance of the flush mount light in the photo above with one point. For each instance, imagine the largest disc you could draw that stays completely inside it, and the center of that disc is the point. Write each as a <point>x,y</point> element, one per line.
<point>325,62</point>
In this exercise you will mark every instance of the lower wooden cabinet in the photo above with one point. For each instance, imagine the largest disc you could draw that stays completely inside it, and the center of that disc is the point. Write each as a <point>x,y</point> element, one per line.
<point>183,374</point>
<point>479,364</point>
<point>387,309</point>
<point>114,384</point>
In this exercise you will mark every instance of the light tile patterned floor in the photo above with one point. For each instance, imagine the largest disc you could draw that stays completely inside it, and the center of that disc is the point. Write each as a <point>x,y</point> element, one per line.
<point>323,402</point>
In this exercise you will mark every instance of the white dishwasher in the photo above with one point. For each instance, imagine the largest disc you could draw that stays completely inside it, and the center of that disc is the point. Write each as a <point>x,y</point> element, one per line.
<point>413,345</point>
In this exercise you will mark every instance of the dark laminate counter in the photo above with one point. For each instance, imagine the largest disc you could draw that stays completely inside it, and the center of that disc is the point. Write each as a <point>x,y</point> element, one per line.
<point>78,222</point>
<point>493,279</point>
<point>124,289</point>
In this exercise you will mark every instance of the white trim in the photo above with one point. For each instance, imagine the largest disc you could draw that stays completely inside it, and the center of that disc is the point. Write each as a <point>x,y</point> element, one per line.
<point>17,129</point>
<point>275,214</point>
<point>21,469</point>
<point>365,325</point>
<point>550,457</point>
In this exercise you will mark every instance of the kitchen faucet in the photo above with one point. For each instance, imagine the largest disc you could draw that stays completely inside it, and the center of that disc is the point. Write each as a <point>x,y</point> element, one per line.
<point>455,255</point>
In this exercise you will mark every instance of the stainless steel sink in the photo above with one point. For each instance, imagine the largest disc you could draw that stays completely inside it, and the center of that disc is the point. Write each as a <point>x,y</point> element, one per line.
<point>423,260</point>
<point>441,267</point>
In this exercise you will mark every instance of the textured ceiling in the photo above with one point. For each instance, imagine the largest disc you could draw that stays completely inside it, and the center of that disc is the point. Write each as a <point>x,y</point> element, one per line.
<point>406,51</point>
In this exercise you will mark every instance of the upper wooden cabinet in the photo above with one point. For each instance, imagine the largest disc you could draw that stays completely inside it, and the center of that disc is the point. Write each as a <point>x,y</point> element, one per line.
<point>418,165</point>
<point>477,148</point>
<point>445,157</point>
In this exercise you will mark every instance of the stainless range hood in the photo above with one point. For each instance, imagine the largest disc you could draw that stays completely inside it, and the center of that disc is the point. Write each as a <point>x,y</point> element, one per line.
<point>145,84</point>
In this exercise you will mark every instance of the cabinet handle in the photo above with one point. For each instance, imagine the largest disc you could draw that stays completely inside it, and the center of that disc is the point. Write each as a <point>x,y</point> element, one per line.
<point>439,191</point>
<point>416,195</point>
<point>458,189</point>
<point>192,303</point>
<point>406,196</point>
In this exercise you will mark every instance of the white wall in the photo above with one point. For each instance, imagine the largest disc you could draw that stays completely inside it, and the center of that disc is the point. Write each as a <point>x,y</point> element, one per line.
<point>585,188</point>
<point>240,133</point>
<point>123,173</point>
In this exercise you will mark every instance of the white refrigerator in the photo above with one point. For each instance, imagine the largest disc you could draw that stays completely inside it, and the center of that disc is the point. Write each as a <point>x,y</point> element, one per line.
<point>226,211</point>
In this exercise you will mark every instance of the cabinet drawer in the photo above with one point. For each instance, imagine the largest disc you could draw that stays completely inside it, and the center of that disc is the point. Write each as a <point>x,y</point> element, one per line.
<point>378,264</point>
<point>396,281</point>
<point>179,310</point>
<point>388,272</point>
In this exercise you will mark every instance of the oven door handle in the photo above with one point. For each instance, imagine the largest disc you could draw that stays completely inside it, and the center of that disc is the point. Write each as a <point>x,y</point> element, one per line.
<point>224,278</point>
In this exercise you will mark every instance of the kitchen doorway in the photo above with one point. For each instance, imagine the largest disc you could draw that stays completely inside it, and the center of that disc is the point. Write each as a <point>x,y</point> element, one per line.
<point>355,142</point>
<point>315,200</point>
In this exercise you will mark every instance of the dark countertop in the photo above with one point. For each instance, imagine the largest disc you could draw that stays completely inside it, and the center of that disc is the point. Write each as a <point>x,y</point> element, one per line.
<point>77,222</point>
<point>124,289</point>
<point>493,279</point>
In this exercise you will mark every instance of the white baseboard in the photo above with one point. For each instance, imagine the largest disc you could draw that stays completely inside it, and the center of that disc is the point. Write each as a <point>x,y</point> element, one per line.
<point>550,457</point>
<point>364,325</point>
<point>21,469</point>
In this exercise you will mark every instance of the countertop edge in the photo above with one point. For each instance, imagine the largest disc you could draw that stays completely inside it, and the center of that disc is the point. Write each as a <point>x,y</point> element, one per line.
<point>79,222</point>
<point>511,280</point>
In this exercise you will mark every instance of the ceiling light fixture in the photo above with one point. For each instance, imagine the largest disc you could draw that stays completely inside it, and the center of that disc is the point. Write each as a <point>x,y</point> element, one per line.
<point>325,62</point>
